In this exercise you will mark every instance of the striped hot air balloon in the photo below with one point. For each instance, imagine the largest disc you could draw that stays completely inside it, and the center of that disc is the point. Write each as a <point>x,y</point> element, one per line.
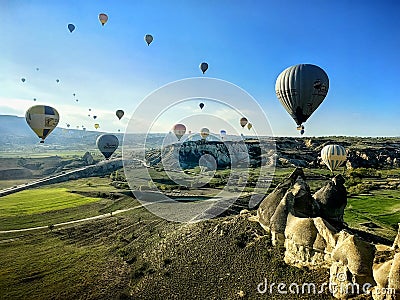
<point>42,119</point>
<point>333,156</point>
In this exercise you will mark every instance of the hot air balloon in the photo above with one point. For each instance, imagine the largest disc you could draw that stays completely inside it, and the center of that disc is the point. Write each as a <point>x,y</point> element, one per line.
<point>71,27</point>
<point>96,126</point>
<point>119,130</point>
<point>23,79</point>
<point>73,94</point>
<point>148,38</point>
<point>34,99</point>
<point>203,67</point>
<point>107,144</point>
<point>119,113</point>
<point>37,69</point>
<point>90,109</point>
<point>249,126</point>
<point>204,132</point>
<point>222,134</point>
<point>68,125</point>
<point>243,122</point>
<point>201,105</point>
<point>333,156</point>
<point>77,127</point>
<point>76,100</point>
<point>301,89</point>
<point>179,130</point>
<point>57,80</point>
<point>103,19</point>
<point>42,119</point>
<point>95,117</point>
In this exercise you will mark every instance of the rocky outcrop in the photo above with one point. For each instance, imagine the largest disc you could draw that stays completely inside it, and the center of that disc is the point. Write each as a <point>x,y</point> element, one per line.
<point>311,229</point>
<point>188,154</point>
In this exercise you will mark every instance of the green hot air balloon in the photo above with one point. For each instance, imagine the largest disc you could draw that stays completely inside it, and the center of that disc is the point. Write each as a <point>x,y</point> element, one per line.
<point>301,89</point>
<point>119,113</point>
<point>107,144</point>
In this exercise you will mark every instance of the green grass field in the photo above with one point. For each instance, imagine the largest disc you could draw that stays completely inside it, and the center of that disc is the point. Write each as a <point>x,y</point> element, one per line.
<point>41,200</point>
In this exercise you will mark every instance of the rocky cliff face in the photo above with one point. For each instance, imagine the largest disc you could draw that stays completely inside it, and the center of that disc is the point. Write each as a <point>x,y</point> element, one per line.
<point>287,152</point>
<point>213,154</point>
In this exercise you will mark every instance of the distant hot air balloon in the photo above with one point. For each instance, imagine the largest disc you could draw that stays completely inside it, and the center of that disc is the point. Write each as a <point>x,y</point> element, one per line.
<point>107,144</point>
<point>148,38</point>
<point>76,100</point>
<point>57,80</point>
<point>96,126</point>
<point>23,79</point>
<point>34,99</point>
<point>73,94</point>
<point>103,19</point>
<point>243,122</point>
<point>42,119</point>
<point>333,156</point>
<point>179,131</point>
<point>37,69</point>
<point>249,126</point>
<point>95,117</point>
<point>203,67</point>
<point>204,132</point>
<point>88,115</point>
<point>119,130</point>
<point>71,27</point>
<point>68,125</point>
<point>201,105</point>
<point>119,113</point>
<point>90,109</point>
<point>77,127</point>
<point>223,134</point>
<point>84,128</point>
<point>301,89</point>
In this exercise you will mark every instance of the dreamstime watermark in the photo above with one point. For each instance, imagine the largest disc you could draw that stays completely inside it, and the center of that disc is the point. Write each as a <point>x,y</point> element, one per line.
<point>178,103</point>
<point>342,287</point>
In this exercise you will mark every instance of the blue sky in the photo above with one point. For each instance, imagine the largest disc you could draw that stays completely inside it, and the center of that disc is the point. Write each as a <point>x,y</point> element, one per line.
<point>247,43</point>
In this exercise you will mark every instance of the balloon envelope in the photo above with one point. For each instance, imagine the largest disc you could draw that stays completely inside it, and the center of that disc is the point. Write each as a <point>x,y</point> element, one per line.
<point>23,79</point>
<point>71,27</point>
<point>119,113</point>
<point>249,126</point>
<point>42,119</point>
<point>96,126</point>
<point>107,144</point>
<point>333,156</point>
<point>179,131</point>
<point>243,122</point>
<point>222,133</point>
<point>204,132</point>
<point>103,19</point>
<point>203,67</point>
<point>201,105</point>
<point>148,38</point>
<point>301,89</point>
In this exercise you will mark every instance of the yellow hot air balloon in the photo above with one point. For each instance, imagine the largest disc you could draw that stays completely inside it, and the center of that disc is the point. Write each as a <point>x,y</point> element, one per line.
<point>249,126</point>
<point>103,19</point>
<point>96,126</point>
<point>204,132</point>
<point>42,119</point>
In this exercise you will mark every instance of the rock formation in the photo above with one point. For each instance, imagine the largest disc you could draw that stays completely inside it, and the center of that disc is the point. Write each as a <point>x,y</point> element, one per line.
<point>311,229</point>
